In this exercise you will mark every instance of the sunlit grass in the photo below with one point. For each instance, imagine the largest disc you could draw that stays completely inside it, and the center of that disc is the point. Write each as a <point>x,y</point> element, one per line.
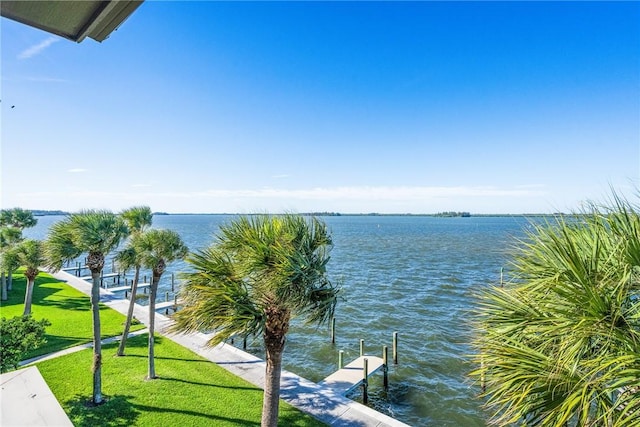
<point>190,390</point>
<point>68,310</point>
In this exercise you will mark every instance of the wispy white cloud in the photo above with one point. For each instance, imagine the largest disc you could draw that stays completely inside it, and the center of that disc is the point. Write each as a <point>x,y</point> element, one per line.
<point>38,48</point>
<point>77,170</point>
<point>399,199</point>
<point>369,193</point>
<point>336,193</point>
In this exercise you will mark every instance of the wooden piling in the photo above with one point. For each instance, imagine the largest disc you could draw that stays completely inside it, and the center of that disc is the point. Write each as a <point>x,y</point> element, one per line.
<point>395,348</point>
<point>361,347</point>
<point>244,343</point>
<point>365,382</point>
<point>173,282</point>
<point>502,277</point>
<point>385,367</point>
<point>333,330</point>
<point>340,359</point>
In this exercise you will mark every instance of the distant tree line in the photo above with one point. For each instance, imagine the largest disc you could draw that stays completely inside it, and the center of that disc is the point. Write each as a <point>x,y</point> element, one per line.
<point>45,213</point>
<point>454,214</point>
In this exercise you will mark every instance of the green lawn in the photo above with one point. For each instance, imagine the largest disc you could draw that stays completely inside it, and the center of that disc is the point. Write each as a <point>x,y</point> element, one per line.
<point>68,310</point>
<point>190,390</point>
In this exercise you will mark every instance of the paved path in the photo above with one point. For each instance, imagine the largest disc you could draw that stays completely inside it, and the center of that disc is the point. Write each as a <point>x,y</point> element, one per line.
<point>28,401</point>
<point>323,403</point>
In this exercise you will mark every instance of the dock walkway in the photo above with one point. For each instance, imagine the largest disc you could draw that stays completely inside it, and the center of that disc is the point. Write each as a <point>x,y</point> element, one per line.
<point>351,376</point>
<point>128,287</point>
<point>103,276</point>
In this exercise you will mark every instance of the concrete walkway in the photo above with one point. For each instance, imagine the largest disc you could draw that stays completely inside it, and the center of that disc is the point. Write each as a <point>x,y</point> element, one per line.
<point>321,402</point>
<point>28,401</point>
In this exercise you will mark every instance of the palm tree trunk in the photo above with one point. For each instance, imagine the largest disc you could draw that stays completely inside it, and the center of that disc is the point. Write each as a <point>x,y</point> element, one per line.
<point>274,346</point>
<point>132,303</point>
<point>97,344</point>
<point>28,296</point>
<point>152,324</point>
<point>10,280</point>
<point>4,296</point>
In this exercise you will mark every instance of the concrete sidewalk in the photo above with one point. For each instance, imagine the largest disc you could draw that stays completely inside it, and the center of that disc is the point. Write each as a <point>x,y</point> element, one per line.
<point>321,402</point>
<point>28,401</point>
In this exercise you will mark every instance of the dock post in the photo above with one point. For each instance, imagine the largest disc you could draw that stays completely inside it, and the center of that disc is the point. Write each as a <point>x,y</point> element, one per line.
<point>126,294</point>
<point>395,348</point>
<point>78,271</point>
<point>173,282</point>
<point>333,330</point>
<point>175,303</point>
<point>244,343</point>
<point>166,297</point>
<point>361,347</point>
<point>385,367</point>
<point>502,277</point>
<point>365,381</point>
<point>340,359</point>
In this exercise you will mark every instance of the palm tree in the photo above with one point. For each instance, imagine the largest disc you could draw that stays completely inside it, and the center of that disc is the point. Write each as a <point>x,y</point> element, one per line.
<point>30,255</point>
<point>155,249</point>
<point>560,344</point>
<point>9,237</point>
<point>95,233</point>
<point>18,218</point>
<point>260,273</point>
<point>138,219</point>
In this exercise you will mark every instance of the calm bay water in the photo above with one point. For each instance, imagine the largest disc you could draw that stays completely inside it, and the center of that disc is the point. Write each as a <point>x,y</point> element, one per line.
<point>410,274</point>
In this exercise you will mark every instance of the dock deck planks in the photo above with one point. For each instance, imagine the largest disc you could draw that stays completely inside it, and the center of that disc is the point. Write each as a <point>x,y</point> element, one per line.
<point>128,287</point>
<point>346,379</point>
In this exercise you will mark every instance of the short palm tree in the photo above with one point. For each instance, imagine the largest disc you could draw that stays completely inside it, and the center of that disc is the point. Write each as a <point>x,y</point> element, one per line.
<point>154,250</point>
<point>138,219</point>
<point>260,273</point>
<point>30,254</point>
<point>95,233</point>
<point>15,220</point>
<point>9,237</point>
<point>560,344</point>
<point>18,218</point>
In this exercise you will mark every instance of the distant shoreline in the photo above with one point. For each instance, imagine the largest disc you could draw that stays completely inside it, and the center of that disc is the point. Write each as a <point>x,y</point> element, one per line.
<point>324,214</point>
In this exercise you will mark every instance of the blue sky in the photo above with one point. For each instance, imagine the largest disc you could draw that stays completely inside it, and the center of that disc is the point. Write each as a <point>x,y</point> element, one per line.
<point>354,107</point>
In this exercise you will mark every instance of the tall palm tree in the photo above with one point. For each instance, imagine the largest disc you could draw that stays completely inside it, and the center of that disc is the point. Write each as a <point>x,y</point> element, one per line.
<point>9,237</point>
<point>30,255</point>
<point>560,344</point>
<point>95,233</point>
<point>260,272</point>
<point>155,249</point>
<point>138,219</point>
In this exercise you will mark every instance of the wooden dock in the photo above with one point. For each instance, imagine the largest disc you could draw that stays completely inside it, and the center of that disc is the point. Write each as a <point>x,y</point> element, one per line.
<point>351,376</point>
<point>75,268</point>
<point>128,287</point>
<point>104,276</point>
<point>173,304</point>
